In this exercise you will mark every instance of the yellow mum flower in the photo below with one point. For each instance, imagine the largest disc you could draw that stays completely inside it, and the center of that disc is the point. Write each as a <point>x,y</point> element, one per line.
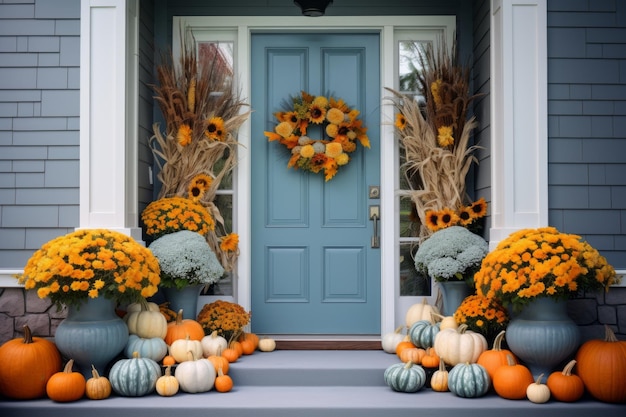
<point>307,151</point>
<point>333,149</point>
<point>444,136</point>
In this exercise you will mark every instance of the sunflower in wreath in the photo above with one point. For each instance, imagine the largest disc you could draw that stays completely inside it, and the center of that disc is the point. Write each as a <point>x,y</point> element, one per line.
<point>341,128</point>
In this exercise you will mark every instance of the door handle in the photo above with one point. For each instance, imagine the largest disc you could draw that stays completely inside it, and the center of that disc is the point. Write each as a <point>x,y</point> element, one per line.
<point>374,217</point>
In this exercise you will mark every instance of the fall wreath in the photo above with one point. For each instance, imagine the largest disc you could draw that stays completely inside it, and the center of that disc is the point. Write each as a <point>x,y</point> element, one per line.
<point>341,129</point>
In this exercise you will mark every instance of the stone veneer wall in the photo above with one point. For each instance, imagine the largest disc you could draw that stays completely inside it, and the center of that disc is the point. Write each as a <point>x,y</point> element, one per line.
<point>19,307</point>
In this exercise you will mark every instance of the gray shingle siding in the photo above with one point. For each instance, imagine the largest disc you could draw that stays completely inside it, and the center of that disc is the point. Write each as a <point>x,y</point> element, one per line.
<point>39,125</point>
<point>587,127</point>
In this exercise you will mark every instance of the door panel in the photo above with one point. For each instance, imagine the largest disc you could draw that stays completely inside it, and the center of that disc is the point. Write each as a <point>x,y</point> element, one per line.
<point>313,270</point>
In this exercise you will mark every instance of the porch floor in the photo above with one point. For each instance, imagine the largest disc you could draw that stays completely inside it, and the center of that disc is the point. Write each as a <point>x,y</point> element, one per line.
<point>307,383</point>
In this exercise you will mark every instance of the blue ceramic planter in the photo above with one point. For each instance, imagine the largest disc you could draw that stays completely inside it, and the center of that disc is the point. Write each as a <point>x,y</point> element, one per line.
<point>92,334</point>
<point>542,335</point>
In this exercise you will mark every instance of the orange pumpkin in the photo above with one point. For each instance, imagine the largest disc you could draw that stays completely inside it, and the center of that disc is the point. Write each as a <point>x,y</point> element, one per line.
<point>252,337</point>
<point>230,354</point>
<point>66,385</point>
<point>404,344</point>
<point>413,355</point>
<point>431,359</point>
<point>495,357</point>
<point>181,328</point>
<point>169,360</point>
<point>223,382</point>
<point>565,386</point>
<point>97,387</point>
<point>26,364</point>
<point>601,365</point>
<point>219,361</point>
<point>511,380</point>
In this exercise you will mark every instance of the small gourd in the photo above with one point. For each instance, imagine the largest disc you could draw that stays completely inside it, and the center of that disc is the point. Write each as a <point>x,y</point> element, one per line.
<point>195,374</point>
<point>267,344</point>
<point>537,392</point>
<point>212,344</point>
<point>167,385</point>
<point>154,348</point>
<point>180,347</point>
<point>67,385</point>
<point>422,333</point>
<point>405,377</point>
<point>455,346</point>
<point>510,381</point>
<point>439,380</point>
<point>223,382</point>
<point>468,380</point>
<point>134,377</point>
<point>98,387</point>
<point>420,311</point>
<point>145,320</point>
<point>390,341</point>
<point>564,385</point>
<point>181,328</point>
<point>168,360</point>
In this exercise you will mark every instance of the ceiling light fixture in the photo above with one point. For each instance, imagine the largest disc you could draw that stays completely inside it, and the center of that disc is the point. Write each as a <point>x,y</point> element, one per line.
<point>313,8</point>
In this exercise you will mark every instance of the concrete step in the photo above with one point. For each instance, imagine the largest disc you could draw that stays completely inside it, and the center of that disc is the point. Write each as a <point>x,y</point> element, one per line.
<point>312,368</point>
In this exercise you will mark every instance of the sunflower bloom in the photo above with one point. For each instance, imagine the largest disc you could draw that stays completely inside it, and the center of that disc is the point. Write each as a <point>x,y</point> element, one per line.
<point>230,242</point>
<point>317,114</point>
<point>400,122</point>
<point>215,129</point>
<point>479,208</point>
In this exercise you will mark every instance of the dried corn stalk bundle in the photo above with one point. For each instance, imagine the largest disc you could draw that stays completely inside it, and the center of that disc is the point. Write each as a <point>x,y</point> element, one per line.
<point>198,147</point>
<point>435,135</point>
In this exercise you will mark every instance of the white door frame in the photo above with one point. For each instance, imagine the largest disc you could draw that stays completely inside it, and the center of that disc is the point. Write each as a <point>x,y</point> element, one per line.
<point>244,26</point>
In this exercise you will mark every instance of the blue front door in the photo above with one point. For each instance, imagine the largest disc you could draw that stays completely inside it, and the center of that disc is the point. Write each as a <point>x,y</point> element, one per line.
<point>313,268</point>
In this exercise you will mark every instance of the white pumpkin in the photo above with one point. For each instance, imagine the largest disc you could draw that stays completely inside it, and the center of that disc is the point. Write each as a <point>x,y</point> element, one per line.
<point>140,306</point>
<point>195,375</point>
<point>537,392</point>
<point>180,349</point>
<point>390,340</point>
<point>213,344</point>
<point>459,345</point>
<point>146,322</point>
<point>267,345</point>
<point>420,311</point>
<point>446,322</point>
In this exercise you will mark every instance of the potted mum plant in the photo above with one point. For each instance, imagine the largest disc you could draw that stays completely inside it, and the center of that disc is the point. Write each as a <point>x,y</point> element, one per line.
<point>534,271</point>
<point>90,271</point>
<point>450,257</point>
<point>187,265</point>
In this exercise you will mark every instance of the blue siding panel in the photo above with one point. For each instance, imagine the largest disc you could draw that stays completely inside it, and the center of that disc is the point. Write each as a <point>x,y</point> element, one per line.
<point>62,174</point>
<point>568,174</point>
<point>60,103</point>
<point>70,51</point>
<point>568,197</point>
<point>567,42</point>
<point>583,222</point>
<point>17,11</point>
<point>52,78</point>
<point>583,71</point>
<point>43,44</point>
<point>69,215</point>
<point>12,238</point>
<point>618,197</point>
<point>29,180</point>
<point>58,9</point>
<point>30,216</point>
<point>600,197</point>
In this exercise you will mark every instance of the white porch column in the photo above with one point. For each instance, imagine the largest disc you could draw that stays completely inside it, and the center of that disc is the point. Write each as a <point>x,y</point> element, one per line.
<point>519,141</point>
<point>108,115</point>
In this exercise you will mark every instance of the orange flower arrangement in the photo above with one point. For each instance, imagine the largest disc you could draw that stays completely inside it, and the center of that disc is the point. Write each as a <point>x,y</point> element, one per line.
<point>224,317</point>
<point>483,315</point>
<point>340,124</point>
<point>542,262</point>
<point>173,214</point>
<point>90,263</point>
